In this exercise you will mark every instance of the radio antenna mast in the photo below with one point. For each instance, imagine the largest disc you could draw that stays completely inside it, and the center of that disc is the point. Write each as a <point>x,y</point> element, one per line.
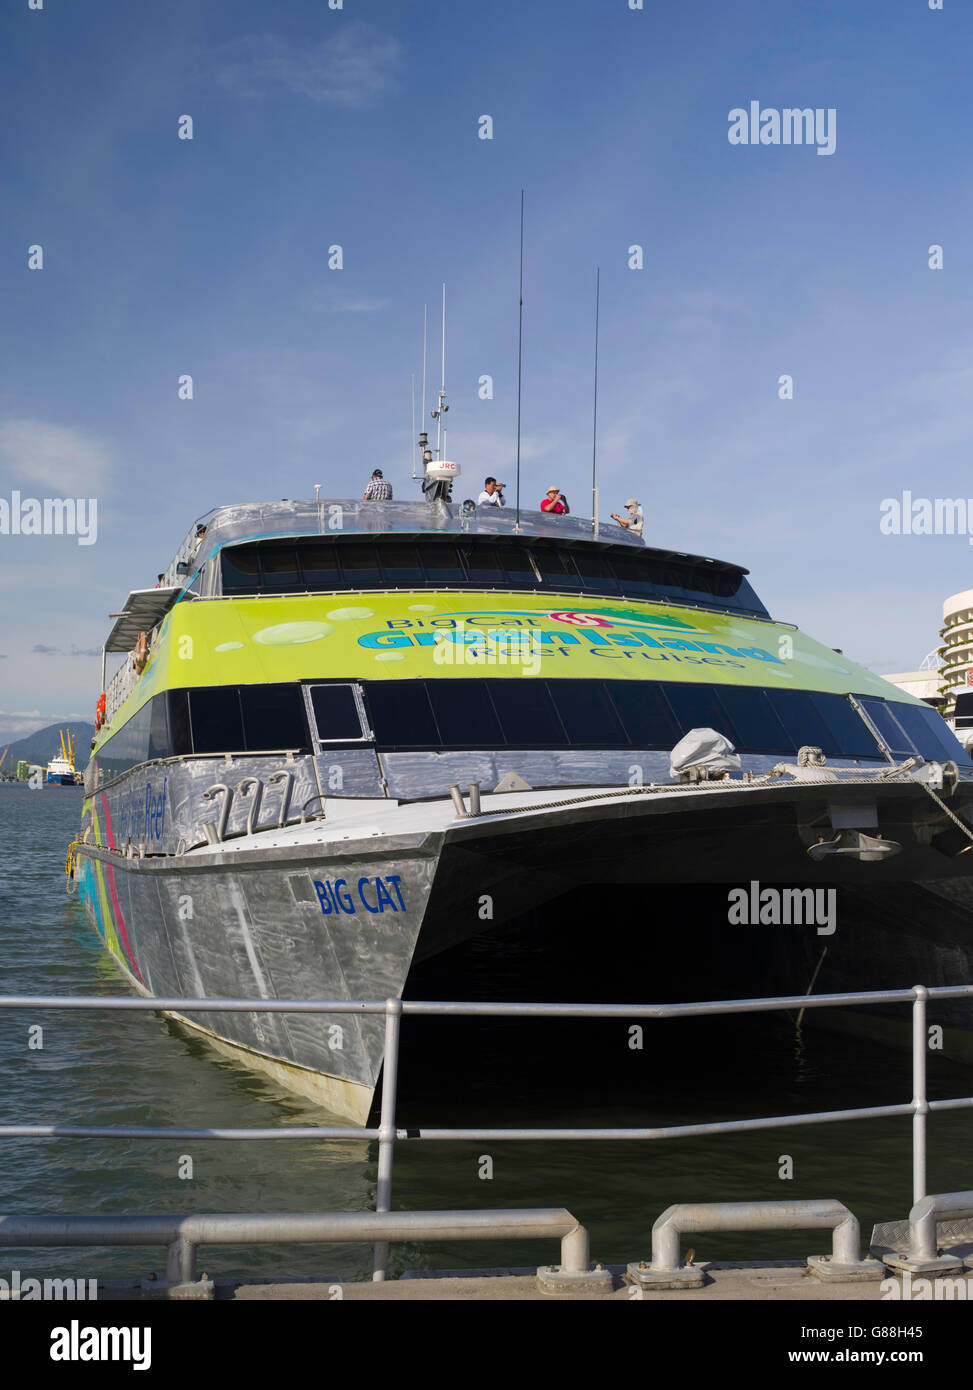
<point>412,436</point>
<point>594,425</point>
<point>442,408</point>
<point>520,352</point>
<point>425,317</point>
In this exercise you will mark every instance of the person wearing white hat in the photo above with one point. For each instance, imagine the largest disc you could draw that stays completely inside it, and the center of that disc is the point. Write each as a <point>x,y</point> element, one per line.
<point>555,501</point>
<point>635,519</point>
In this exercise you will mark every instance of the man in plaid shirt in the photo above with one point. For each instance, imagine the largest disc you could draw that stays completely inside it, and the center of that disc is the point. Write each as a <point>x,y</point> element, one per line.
<point>378,489</point>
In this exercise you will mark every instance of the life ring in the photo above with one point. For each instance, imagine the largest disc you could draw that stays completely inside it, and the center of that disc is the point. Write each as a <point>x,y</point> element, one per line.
<point>100,711</point>
<point>141,657</point>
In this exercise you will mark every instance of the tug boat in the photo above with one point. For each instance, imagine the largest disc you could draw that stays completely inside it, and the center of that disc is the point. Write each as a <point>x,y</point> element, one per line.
<point>347,737</point>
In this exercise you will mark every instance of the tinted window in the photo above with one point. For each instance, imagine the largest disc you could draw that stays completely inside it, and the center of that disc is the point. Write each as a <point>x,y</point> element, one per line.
<point>587,713</point>
<point>483,563</point>
<point>180,738</point>
<point>645,713</point>
<point>930,733</point>
<point>401,564</point>
<point>335,713</point>
<point>273,717</point>
<point>557,569</point>
<point>465,713</point>
<point>158,731</point>
<point>320,566</point>
<point>851,734</point>
<point>595,571</point>
<point>216,720</point>
<point>888,726</point>
<point>360,563</point>
<point>280,570</point>
<point>697,707</point>
<point>401,714</point>
<point>802,724</point>
<point>241,570</point>
<point>442,564</point>
<point>518,566</point>
<point>753,723</point>
<point>631,576</point>
<point>527,712</point>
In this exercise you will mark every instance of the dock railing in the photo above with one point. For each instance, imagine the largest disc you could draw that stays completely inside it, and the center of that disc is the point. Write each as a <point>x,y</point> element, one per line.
<point>134,1230</point>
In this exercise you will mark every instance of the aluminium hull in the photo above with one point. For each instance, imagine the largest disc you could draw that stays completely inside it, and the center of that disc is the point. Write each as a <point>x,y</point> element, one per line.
<point>346,910</point>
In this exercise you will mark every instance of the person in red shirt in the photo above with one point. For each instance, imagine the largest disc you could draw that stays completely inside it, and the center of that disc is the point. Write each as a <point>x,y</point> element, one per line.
<point>555,501</point>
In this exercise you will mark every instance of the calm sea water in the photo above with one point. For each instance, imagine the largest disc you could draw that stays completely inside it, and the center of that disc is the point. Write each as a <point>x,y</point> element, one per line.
<point>139,1069</point>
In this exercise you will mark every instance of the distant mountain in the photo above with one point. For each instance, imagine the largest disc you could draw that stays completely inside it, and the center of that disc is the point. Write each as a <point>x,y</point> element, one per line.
<point>41,746</point>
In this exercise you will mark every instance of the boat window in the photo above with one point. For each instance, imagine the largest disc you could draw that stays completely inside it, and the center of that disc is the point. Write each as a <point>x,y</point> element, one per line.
<point>595,571</point>
<point>852,736</point>
<point>359,563</point>
<point>645,713</point>
<point>280,575</point>
<point>401,714</point>
<point>635,577</point>
<point>336,713</point>
<point>241,569</point>
<point>752,722</point>
<point>158,740</point>
<point>273,717</point>
<point>309,564</point>
<point>484,563</point>
<point>518,566</point>
<point>889,727</point>
<point>442,563</point>
<point>802,723</point>
<point>697,707</point>
<point>527,713</point>
<point>558,569</point>
<point>401,564</point>
<point>320,566</point>
<point>217,723</point>
<point>465,713</point>
<point>180,735</point>
<point>587,713</point>
<point>931,734</point>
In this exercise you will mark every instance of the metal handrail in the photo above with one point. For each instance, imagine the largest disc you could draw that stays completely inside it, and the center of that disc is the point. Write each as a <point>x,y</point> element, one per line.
<point>387,1133</point>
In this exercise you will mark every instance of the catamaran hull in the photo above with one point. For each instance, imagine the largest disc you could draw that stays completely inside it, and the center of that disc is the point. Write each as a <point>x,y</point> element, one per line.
<point>282,914</point>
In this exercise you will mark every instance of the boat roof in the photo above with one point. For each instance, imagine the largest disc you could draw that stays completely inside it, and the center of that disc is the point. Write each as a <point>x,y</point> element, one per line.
<point>333,517</point>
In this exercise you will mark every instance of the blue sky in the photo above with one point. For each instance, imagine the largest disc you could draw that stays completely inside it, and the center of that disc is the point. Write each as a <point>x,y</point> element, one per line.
<point>358,127</point>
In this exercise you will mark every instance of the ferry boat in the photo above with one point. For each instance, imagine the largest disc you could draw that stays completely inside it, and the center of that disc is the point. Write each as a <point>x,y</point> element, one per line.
<point>348,736</point>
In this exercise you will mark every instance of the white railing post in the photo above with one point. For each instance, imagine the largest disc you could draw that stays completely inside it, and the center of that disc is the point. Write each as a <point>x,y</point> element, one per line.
<point>386,1129</point>
<point>919,1102</point>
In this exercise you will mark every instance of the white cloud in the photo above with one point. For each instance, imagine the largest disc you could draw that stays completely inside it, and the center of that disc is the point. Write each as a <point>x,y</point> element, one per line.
<point>350,70</point>
<point>57,459</point>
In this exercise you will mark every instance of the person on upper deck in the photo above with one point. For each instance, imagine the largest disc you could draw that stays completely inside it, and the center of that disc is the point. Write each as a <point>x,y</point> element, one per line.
<point>378,489</point>
<point>555,501</point>
<point>635,519</point>
<point>492,494</point>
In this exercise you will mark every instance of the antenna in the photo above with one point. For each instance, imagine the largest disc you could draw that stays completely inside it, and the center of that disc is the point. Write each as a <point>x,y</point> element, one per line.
<point>442,408</point>
<point>520,352</point>
<point>412,436</point>
<point>594,425</point>
<point>425,318</point>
